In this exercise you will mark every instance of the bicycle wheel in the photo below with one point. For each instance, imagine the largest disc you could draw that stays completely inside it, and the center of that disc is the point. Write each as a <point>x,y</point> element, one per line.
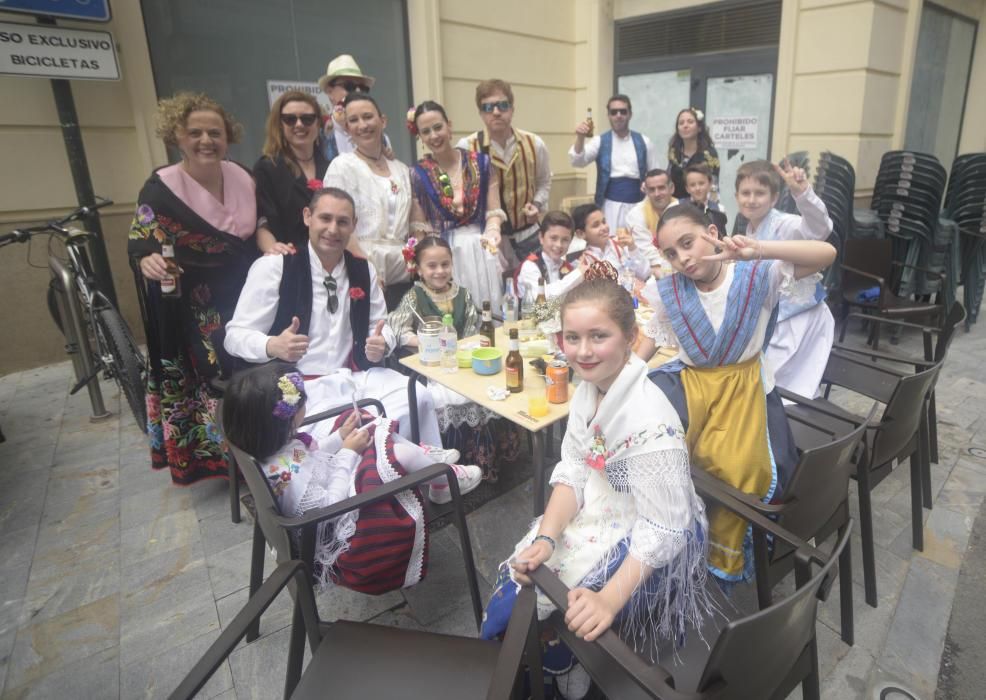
<point>125,362</point>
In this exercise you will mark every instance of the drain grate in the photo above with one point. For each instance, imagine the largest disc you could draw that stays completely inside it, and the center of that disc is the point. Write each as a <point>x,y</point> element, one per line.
<point>977,452</point>
<point>893,692</point>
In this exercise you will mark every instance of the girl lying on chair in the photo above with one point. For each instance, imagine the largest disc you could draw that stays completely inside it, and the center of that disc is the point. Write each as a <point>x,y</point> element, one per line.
<point>262,415</point>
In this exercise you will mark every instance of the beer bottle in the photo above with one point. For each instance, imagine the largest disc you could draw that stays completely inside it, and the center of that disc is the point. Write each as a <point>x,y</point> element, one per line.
<point>487,336</point>
<point>514,365</point>
<point>588,120</point>
<point>171,284</point>
<point>541,298</point>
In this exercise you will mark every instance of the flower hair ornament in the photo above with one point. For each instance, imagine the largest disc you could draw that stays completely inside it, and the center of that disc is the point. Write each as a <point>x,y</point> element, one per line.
<point>408,252</point>
<point>699,114</point>
<point>292,387</point>
<point>409,121</point>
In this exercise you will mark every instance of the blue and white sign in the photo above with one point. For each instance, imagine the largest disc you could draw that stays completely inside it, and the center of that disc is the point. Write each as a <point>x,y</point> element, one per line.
<point>88,10</point>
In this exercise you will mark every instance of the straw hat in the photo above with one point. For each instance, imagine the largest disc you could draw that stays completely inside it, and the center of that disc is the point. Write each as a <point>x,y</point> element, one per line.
<point>344,66</point>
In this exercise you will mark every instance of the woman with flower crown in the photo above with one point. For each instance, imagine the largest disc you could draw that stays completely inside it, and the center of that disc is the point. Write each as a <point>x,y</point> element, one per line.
<point>456,196</point>
<point>464,425</point>
<point>690,145</point>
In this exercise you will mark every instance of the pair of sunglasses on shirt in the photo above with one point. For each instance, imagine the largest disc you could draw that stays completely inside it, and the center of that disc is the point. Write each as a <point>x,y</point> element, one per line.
<point>330,287</point>
<point>292,119</point>
<point>488,107</point>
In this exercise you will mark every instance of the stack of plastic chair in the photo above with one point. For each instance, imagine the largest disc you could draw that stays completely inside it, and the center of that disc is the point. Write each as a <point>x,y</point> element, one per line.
<point>835,184</point>
<point>907,196</point>
<point>965,204</point>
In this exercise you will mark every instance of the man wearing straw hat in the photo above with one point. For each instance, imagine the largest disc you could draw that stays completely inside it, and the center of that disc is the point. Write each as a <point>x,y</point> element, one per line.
<point>342,76</point>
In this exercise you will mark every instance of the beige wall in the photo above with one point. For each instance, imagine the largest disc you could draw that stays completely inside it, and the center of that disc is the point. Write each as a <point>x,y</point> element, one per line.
<point>117,130</point>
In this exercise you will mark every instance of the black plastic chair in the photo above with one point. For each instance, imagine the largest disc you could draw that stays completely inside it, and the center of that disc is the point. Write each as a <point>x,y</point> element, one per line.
<point>763,655</point>
<point>815,505</point>
<point>895,437</point>
<point>364,661</point>
<point>294,538</point>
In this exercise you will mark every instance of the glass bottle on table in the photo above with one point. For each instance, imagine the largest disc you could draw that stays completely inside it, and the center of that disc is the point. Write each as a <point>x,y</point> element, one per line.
<point>487,334</point>
<point>513,365</point>
<point>541,297</point>
<point>448,341</point>
<point>511,305</point>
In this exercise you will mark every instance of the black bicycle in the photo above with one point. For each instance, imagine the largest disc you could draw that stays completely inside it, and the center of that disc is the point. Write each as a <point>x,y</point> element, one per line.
<point>97,338</point>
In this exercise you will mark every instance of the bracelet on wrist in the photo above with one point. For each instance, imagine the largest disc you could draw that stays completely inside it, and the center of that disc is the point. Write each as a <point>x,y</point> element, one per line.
<point>549,540</point>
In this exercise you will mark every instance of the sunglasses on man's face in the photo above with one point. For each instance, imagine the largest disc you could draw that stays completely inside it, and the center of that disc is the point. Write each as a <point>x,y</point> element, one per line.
<point>351,86</point>
<point>488,107</point>
<point>619,112</point>
<point>292,119</point>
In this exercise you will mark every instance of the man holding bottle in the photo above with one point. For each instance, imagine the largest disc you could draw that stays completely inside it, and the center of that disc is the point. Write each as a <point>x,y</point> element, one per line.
<point>622,158</point>
<point>522,166</point>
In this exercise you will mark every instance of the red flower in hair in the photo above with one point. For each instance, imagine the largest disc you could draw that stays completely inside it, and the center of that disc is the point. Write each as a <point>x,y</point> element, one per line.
<point>356,293</point>
<point>314,184</point>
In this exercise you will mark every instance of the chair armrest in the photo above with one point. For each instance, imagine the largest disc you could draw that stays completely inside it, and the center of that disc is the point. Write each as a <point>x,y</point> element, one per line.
<point>829,411</point>
<point>652,678</point>
<point>867,275</point>
<point>903,324</point>
<point>335,411</point>
<point>220,649</point>
<point>523,621</point>
<point>706,482</point>
<point>940,275</point>
<point>318,515</point>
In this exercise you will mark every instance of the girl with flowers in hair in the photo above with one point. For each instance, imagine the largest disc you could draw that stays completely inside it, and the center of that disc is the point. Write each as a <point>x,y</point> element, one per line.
<point>690,145</point>
<point>464,425</point>
<point>263,411</point>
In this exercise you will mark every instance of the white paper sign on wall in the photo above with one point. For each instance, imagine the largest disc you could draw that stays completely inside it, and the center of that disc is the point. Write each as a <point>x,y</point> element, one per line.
<point>52,52</point>
<point>734,132</point>
<point>276,88</point>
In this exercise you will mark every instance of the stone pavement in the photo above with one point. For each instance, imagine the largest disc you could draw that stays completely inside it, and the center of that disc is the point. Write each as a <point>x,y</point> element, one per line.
<point>113,581</point>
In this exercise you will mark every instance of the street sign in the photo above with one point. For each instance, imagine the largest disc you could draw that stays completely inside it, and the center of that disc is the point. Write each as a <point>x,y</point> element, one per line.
<point>52,52</point>
<point>88,10</point>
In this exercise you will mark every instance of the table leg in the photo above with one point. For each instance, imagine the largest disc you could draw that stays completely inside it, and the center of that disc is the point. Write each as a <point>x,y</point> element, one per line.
<point>538,439</point>
<point>412,406</point>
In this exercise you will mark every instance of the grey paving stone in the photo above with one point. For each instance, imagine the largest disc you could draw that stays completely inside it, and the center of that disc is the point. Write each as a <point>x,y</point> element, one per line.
<point>496,527</point>
<point>157,676</point>
<point>229,570</point>
<point>166,623</point>
<point>62,547</point>
<point>276,617</point>
<point>50,645</point>
<point>917,634</point>
<point>211,498</point>
<point>850,676</point>
<point>338,603</point>
<point>219,533</point>
<point>159,534</point>
<point>258,668</point>
<point>96,676</point>
<point>446,580</point>
<point>169,575</point>
<point>965,489</point>
<point>21,500</point>
<point>17,547</point>
<point>13,588</point>
<point>50,592</point>
<point>7,637</point>
<point>946,534</point>
<point>152,503</point>
<point>66,510</point>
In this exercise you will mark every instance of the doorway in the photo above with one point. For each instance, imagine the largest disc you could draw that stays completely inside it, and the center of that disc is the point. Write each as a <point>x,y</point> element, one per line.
<point>719,58</point>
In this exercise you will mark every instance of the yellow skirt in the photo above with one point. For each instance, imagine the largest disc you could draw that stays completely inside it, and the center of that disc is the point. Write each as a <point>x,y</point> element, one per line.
<point>727,437</point>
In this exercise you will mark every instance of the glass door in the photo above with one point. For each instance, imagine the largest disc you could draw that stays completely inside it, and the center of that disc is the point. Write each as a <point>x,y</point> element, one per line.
<point>657,98</point>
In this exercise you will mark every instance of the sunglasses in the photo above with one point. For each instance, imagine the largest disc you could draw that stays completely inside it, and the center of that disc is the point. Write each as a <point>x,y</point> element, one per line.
<point>488,107</point>
<point>292,119</point>
<point>350,86</point>
<point>330,287</point>
<point>619,112</point>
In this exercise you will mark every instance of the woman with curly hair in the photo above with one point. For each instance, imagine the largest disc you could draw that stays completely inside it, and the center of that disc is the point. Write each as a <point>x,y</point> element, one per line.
<point>690,145</point>
<point>202,210</point>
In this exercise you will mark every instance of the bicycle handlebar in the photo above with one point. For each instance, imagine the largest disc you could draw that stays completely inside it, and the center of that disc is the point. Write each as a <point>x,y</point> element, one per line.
<point>58,225</point>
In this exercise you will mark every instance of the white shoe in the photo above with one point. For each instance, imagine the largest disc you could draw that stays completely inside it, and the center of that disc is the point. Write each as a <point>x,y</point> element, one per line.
<point>469,477</point>
<point>440,454</point>
<point>573,685</point>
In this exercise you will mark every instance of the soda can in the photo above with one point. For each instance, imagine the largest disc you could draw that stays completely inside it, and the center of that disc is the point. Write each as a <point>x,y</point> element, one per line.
<point>557,382</point>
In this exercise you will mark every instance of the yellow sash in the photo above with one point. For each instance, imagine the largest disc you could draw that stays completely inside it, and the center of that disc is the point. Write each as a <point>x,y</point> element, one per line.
<point>727,437</point>
<point>651,217</point>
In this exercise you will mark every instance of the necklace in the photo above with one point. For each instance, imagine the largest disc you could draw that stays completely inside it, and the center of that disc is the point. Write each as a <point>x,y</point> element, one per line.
<point>369,157</point>
<point>713,278</point>
<point>298,158</point>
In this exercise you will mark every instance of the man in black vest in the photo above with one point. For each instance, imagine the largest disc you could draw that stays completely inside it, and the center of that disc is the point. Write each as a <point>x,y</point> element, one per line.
<point>316,309</point>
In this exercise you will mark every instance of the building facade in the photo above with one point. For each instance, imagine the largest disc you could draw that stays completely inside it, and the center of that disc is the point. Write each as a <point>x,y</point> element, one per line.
<point>857,78</point>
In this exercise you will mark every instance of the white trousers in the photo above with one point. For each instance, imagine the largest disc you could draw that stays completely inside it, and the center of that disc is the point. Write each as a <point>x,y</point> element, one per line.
<point>799,350</point>
<point>385,385</point>
<point>616,214</point>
